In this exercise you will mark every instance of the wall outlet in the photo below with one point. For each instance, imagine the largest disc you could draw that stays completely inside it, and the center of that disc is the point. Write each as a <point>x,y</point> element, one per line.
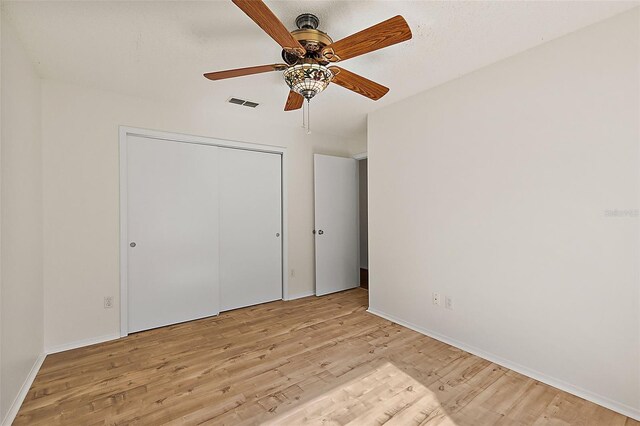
<point>435,297</point>
<point>108,302</point>
<point>448,302</point>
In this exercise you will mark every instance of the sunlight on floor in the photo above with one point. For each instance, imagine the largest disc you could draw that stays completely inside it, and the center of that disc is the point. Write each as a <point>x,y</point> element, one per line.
<point>385,395</point>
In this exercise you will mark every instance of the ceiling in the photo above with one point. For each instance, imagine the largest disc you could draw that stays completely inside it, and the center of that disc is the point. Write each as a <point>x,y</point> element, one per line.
<point>160,49</point>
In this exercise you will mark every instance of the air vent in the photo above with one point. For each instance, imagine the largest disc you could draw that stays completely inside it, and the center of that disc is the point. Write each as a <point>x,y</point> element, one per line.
<point>243,102</point>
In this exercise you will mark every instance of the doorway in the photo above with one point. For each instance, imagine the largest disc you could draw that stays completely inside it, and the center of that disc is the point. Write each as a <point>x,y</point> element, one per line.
<point>336,223</point>
<point>341,223</point>
<point>363,242</point>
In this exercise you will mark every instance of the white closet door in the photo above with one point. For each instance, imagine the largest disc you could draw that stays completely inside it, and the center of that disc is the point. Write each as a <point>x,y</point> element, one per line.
<point>250,228</point>
<point>172,202</point>
<point>336,223</point>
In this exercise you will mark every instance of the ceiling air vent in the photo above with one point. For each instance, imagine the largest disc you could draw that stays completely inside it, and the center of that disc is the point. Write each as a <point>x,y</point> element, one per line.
<point>243,102</point>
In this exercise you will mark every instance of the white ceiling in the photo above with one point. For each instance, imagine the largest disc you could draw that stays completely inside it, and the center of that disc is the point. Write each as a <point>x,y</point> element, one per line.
<point>160,49</point>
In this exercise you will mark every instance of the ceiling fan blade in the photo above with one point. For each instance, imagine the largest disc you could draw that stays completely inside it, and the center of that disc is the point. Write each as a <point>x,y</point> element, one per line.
<point>264,17</point>
<point>294,101</point>
<point>239,72</point>
<point>384,34</point>
<point>358,84</point>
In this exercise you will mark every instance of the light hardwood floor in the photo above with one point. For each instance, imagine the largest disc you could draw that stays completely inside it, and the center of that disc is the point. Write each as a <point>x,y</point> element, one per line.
<point>310,361</point>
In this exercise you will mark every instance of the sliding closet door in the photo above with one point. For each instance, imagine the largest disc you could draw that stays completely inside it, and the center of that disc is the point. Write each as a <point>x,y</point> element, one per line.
<point>172,202</point>
<point>250,228</point>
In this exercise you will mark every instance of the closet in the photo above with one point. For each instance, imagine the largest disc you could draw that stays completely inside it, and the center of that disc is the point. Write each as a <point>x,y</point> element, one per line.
<point>204,230</point>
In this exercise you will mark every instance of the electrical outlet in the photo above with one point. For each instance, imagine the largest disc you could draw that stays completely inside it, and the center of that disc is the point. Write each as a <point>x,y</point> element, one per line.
<point>436,298</point>
<point>448,303</point>
<point>108,302</point>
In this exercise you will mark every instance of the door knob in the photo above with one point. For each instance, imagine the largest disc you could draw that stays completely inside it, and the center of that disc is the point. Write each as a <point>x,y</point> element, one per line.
<point>133,244</point>
<point>320,232</point>
<point>277,234</point>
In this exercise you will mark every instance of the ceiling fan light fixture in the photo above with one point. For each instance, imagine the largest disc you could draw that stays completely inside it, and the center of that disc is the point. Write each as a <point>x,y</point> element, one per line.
<point>307,51</point>
<point>308,79</point>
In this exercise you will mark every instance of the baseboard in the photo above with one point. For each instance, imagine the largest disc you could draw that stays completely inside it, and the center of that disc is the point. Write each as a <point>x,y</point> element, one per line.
<point>301,295</point>
<point>81,343</point>
<point>17,402</point>
<point>536,375</point>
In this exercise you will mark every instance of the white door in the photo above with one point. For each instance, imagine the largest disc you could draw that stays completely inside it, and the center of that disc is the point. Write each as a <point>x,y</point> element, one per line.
<point>336,223</point>
<point>172,203</point>
<point>250,228</point>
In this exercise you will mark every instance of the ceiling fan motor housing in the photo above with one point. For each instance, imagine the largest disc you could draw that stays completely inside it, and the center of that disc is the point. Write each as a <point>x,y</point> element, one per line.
<point>311,38</point>
<point>307,21</point>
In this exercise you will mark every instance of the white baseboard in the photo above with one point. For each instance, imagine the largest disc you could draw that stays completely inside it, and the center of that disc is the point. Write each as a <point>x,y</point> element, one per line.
<point>623,409</point>
<point>301,295</point>
<point>81,343</point>
<point>17,402</point>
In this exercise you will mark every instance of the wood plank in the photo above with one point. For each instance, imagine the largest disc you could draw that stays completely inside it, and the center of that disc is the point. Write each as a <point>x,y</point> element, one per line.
<point>318,360</point>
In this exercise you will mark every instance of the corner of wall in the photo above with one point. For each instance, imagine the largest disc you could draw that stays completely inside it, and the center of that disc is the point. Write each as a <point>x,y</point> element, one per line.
<point>21,220</point>
<point>12,412</point>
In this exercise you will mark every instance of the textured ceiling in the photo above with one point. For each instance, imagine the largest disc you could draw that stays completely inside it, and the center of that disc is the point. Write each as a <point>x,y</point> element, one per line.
<point>160,49</point>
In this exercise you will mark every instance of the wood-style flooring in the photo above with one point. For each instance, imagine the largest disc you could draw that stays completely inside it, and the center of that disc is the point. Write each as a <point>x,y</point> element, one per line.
<point>310,361</point>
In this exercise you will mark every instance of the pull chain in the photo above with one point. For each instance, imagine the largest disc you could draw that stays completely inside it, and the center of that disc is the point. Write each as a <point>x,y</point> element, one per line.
<point>308,118</point>
<point>304,125</point>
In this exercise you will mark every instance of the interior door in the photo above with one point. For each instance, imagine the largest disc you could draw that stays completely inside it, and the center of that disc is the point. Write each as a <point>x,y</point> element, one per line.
<point>336,223</point>
<point>250,228</point>
<point>172,203</point>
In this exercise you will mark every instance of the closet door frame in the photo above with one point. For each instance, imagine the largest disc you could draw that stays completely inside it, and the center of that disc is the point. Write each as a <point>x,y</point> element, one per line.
<point>124,133</point>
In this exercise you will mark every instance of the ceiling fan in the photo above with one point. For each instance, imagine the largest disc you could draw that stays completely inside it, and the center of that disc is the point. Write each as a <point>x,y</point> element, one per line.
<point>309,54</point>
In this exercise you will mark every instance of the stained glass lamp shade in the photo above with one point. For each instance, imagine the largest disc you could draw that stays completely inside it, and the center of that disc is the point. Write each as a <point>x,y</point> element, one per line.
<point>308,79</point>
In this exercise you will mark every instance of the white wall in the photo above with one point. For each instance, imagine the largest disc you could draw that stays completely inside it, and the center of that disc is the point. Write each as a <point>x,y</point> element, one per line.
<point>20,220</point>
<point>81,231</point>
<point>493,189</point>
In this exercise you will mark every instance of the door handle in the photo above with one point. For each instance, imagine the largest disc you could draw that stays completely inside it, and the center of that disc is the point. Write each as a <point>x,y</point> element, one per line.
<point>133,244</point>
<point>320,232</point>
